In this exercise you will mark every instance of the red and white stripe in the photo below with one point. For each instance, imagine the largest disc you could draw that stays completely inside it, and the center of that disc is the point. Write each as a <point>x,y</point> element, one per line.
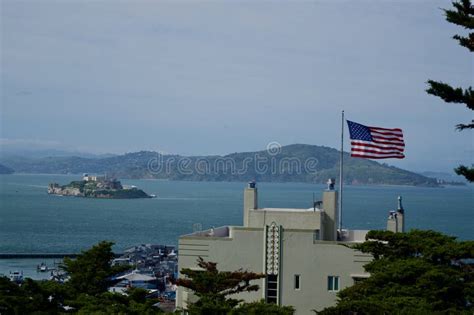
<point>387,143</point>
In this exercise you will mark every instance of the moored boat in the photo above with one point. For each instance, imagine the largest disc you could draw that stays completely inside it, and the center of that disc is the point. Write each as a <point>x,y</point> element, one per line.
<point>16,276</point>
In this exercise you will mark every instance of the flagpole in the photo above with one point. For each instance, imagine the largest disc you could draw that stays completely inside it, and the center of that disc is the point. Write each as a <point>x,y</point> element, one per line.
<point>341,168</point>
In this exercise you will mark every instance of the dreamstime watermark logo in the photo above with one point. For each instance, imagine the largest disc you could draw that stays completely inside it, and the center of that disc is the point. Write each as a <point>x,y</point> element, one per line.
<point>273,148</point>
<point>271,162</point>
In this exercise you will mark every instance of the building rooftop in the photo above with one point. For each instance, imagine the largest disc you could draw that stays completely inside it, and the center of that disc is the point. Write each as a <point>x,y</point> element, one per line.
<point>134,276</point>
<point>223,231</point>
<point>352,236</point>
<point>347,236</point>
<point>288,209</point>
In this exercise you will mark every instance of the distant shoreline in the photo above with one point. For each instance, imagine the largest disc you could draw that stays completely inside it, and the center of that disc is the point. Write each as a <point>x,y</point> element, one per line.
<point>468,185</point>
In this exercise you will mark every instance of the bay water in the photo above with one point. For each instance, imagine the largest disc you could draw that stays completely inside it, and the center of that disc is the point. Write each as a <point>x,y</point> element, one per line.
<point>31,221</point>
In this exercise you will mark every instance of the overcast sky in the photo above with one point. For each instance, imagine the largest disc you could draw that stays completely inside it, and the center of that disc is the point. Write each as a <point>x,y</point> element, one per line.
<point>217,77</point>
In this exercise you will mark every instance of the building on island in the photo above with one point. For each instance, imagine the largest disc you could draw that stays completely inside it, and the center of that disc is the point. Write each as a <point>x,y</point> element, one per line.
<point>300,251</point>
<point>93,178</point>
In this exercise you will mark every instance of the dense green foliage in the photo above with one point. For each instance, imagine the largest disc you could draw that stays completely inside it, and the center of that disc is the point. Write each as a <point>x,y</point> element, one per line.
<point>262,308</point>
<point>420,272</point>
<point>135,303</point>
<point>91,269</point>
<point>214,288</point>
<point>86,290</point>
<point>80,184</point>
<point>462,15</point>
<point>131,193</point>
<point>293,164</point>
<point>31,297</point>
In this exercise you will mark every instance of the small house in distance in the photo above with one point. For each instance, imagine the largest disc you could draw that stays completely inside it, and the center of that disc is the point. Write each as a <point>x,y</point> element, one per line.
<point>301,252</point>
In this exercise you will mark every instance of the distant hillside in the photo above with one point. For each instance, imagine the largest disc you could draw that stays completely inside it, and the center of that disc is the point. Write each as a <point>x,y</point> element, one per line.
<point>41,153</point>
<point>293,163</point>
<point>5,170</point>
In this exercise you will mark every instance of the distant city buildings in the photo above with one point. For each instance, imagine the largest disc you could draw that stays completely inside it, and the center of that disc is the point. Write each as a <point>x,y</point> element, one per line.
<point>155,270</point>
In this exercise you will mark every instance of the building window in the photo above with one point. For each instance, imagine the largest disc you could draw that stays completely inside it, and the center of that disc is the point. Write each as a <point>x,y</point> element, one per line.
<point>333,283</point>
<point>297,282</point>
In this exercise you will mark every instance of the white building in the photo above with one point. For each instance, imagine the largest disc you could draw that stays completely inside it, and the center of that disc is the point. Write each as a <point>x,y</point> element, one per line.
<point>93,178</point>
<point>305,258</point>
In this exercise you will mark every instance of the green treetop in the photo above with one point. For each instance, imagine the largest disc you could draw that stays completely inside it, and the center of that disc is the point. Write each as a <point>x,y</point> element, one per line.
<point>84,293</point>
<point>462,15</point>
<point>213,288</point>
<point>90,271</point>
<point>419,272</point>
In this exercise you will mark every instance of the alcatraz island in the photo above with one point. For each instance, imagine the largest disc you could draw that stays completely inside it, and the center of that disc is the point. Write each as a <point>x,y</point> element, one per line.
<point>92,186</point>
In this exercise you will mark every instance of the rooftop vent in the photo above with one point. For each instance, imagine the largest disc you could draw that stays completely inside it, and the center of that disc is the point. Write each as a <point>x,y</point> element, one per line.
<point>400,207</point>
<point>331,182</point>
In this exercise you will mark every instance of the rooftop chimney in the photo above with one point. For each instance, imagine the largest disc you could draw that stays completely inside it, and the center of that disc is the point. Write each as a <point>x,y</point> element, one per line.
<point>400,216</point>
<point>392,224</point>
<point>330,211</point>
<point>396,220</point>
<point>250,200</point>
<point>331,182</point>
<point>400,207</point>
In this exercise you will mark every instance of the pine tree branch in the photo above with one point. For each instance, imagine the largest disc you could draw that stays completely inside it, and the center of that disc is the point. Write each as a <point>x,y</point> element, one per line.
<point>450,94</point>
<point>463,15</point>
<point>467,172</point>
<point>467,42</point>
<point>461,127</point>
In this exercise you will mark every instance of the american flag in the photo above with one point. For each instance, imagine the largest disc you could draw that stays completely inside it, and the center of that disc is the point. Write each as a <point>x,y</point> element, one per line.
<point>375,142</point>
